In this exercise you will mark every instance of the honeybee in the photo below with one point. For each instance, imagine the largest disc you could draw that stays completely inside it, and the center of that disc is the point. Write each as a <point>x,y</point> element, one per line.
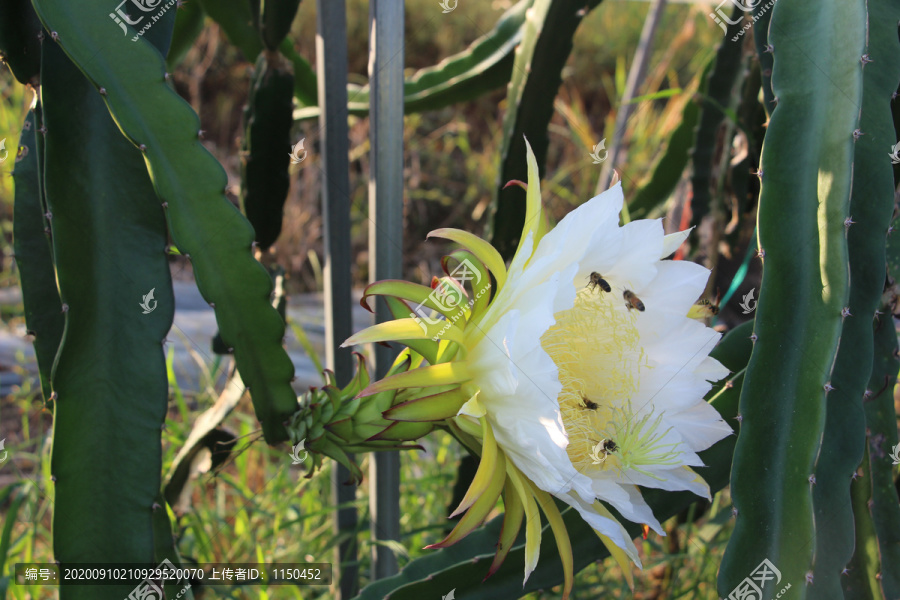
<point>712,308</point>
<point>705,308</point>
<point>604,447</point>
<point>597,280</point>
<point>588,404</point>
<point>632,301</point>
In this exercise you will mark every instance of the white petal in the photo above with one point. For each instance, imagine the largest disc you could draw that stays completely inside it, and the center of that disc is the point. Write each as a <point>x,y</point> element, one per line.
<point>608,527</point>
<point>673,242</point>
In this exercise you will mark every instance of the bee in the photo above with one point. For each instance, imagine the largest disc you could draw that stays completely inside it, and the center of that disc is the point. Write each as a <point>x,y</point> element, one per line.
<point>632,301</point>
<point>705,308</point>
<point>588,404</point>
<point>712,308</point>
<point>597,280</point>
<point>606,447</point>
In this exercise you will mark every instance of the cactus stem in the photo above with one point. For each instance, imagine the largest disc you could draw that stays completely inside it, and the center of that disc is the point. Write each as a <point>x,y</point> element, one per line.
<point>103,91</point>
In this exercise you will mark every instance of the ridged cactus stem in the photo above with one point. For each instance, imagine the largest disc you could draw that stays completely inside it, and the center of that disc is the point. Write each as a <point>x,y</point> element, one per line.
<point>871,206</point>
<point>806,175</point>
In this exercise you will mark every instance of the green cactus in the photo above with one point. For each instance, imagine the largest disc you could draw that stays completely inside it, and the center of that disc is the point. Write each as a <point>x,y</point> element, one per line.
<point>806,175</point>
<point>190,184</point>
<point>266,148</point>
<point>20,47</point>
<point>871,206</point>
<point>762,15</point>
<point>860,582</point>
<point>275,19</point>
<point>237,18</point>
<point>545,47</point>
<point>189,23</point>
<point>881,437</point>
<point>109,236</point>
<point>485,64</point>
<point>43,309</point>
<point>717,95</point>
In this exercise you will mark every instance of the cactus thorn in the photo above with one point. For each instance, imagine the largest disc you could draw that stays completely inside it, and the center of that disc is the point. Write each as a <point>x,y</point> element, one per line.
<point>48,215</point>
<point>758,173</point>
<point>734,511</point>
<point>761,253</point>
<point>47,230</point>
<point>54,396</point>
<point>167,76</point>
<point>848,222</point>
<point>769,48</point>
<point>867,394</point>
<point>870,504</point>
<point>65,307</point>
<point>865,59</point>
<point>812,479</point>
<point>43,129</point>
<point>54,35</point>
<point>809,577</point>
<point>775,100</point>
<point>857,133</point>
<point>753,337</point>
<point>878,574</point>
<point>828,387</point>
<point>729,384</point>
<point>201,133</point>
<point>165,205</point>
<point>187,256</point>
<point>212,304</point>
<point>230,350</point>
<point>845,312</point>
<point>40,35</point>
<point>102,91</point>
<point>739,418</point>
<point>143,148</point>
<point>890,230</point>
<point>155,506</point>
<point>893,95</point>
<point>31,332</point>
<point>53,478</point>
<point>855,476</point>
<point>164,341</point>
<point>162,427</point>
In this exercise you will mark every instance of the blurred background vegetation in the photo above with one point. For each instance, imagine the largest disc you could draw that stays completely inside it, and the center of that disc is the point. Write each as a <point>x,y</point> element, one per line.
<point>255,508</point>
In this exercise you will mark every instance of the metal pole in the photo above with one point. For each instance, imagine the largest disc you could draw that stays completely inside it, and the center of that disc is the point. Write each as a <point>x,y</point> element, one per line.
<point>331,66</point>
<point>634,81</point>
<point>386,60</point>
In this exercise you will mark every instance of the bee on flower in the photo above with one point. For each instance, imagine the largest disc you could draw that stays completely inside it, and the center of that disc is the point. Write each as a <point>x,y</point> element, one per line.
<point>564,390</point>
